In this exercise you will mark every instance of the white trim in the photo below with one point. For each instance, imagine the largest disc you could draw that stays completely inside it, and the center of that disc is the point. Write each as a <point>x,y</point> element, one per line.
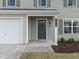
<point>56,35</point>
<point>27,29</point>
<point>71,6</point>
<point>39,5</point>
<point>37,27</point>
<point>10,5</point>
<point>11,17</point>
<point>68,19</point>
<point>63,26</point>
<point>72,26</point>
<point>72,20</point>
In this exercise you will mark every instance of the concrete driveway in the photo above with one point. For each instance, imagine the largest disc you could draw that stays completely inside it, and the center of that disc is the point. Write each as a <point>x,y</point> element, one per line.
<point>11,51</point>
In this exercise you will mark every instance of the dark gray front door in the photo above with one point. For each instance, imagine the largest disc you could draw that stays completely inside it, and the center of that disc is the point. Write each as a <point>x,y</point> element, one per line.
<point>41,29</point>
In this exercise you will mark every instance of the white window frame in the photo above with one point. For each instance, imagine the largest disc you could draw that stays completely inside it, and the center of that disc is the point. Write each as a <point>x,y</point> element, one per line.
<point>67,26</point>
<point>71,6</point>
<point>39,5</point>
<point>10,5</point>
<point>72,20</point>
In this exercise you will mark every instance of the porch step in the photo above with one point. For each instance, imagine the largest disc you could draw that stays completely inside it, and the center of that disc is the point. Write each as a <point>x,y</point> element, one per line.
<point>38,49</point>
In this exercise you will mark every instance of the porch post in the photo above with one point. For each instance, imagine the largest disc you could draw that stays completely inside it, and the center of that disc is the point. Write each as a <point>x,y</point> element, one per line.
<point>56,30</point>
<point>27,29</point>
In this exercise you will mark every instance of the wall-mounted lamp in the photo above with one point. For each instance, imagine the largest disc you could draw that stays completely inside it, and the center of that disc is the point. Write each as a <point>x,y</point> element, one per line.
<point>55,21</point>
<point>49,22</point>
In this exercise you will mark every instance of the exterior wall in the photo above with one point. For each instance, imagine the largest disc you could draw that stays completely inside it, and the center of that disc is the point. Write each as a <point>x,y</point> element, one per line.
<point>27,3</point>
<point>24,24</point>
<point>64,12</point>
<point>67,12</point>
<point>30,4</point>
<point>23,3</point>
<point>0,3</point>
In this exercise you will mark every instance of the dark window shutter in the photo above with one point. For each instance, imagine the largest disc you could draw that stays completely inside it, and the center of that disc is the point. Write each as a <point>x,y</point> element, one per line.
<point>17,3</point>
<point>4,3</point>
<point>35,3</point>
<point>65,3</point>
<point>48,3</point>
<point>77,3</point>
<point>61,26</point>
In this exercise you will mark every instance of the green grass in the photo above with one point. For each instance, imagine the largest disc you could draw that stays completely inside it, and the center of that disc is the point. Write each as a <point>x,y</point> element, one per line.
<point>50,56</point>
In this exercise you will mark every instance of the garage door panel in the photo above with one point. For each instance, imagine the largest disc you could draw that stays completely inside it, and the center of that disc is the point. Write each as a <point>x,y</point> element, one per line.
<point>11,31</point>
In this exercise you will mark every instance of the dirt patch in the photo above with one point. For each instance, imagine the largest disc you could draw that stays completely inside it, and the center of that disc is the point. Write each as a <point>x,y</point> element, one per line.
<point>66,47</point>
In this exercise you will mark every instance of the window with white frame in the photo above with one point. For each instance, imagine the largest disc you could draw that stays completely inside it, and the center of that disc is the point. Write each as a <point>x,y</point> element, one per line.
<point>71,2</point>
<point>75,26</point>
<point>67,26</point>
<point>71,26</point>
<point>42,3</point>
<point>10,2</point>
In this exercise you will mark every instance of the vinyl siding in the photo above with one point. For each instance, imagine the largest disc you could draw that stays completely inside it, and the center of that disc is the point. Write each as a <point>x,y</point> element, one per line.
<point>54,4</point>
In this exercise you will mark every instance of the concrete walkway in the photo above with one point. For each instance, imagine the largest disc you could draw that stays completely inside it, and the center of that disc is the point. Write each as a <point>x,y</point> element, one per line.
<point>38,48</point>
<point>15,51</point>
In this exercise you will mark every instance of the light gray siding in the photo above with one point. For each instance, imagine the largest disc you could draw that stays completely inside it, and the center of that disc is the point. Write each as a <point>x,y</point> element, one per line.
<point>18,3</point>
<point>33,29</point>
<point>65,3</point>
<point>29,28</point>
<point>4,3</point>
<point>54,4</point>
<point>60,28</point>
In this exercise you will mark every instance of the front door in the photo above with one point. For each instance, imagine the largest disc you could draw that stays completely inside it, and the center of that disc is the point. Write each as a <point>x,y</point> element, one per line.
<point>41,29</point>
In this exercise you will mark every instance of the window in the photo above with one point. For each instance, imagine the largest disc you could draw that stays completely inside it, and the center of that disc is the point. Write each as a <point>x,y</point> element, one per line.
<point>75,27</point>
<point>41,3</point>
<point>71,2</point>
<point>10,2</point>
<point>71,26</point>
<point>67,26</point>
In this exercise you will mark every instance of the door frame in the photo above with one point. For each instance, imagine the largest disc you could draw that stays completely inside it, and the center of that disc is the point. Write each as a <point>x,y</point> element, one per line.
<point>37,28</point>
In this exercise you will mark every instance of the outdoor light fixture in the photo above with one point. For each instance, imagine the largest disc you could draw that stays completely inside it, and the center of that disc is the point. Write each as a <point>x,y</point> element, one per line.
<point>49,22</point>
<point>55,21</point>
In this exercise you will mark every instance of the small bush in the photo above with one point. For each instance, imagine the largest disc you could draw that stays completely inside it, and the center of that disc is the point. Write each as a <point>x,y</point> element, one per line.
<point>71,40</point>
<point>62,40</point>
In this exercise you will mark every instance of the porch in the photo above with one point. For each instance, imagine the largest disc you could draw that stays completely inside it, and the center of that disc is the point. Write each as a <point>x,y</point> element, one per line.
<point>42,30</point>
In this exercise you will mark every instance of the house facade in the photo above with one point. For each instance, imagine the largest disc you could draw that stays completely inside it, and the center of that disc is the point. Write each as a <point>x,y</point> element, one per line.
<point>25,21</point>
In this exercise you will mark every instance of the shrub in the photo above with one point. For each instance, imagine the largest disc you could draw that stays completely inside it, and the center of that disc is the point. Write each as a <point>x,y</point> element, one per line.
<point>71,40</point>
<point>62,40</point>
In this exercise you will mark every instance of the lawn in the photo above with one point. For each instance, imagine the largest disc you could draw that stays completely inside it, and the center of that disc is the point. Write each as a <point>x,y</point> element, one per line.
<point>50,56</point>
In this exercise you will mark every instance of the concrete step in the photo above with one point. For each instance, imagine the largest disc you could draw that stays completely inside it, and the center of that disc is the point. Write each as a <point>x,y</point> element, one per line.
<point>38,49</point>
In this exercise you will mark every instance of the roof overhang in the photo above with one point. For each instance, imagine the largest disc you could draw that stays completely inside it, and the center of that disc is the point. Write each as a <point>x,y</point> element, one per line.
<point>30,12</point>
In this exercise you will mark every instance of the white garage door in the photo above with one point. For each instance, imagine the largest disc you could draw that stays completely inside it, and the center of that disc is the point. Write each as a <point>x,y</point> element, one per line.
<point>11,31</point>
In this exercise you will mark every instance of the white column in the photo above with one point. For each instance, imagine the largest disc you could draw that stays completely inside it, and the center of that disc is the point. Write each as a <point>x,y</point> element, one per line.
<point>55,35</point>
<point>27,40</point>
<point>56,31</point>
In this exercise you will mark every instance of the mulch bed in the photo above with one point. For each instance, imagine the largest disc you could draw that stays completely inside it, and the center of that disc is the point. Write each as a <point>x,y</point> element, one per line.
<point>66,47</point>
